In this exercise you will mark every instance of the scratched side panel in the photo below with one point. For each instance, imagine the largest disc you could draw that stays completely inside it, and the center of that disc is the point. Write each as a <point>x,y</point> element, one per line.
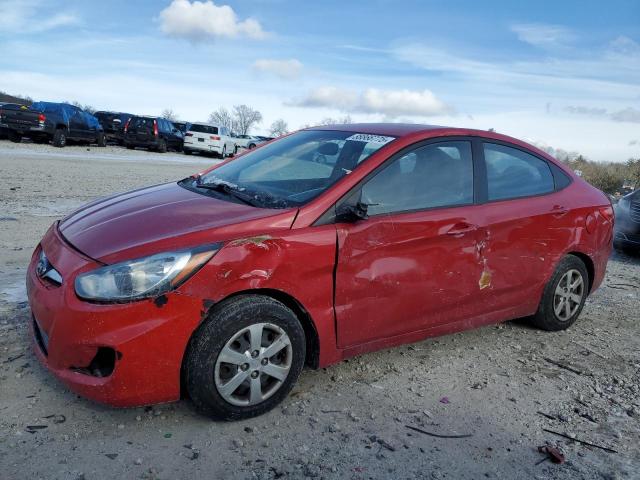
<point>298,262</point>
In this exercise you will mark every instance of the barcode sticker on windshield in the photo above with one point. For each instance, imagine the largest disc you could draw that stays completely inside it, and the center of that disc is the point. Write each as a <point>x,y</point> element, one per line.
<point>368,138</point>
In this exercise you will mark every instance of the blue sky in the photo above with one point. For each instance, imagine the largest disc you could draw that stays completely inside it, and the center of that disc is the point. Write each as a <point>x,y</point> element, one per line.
<point>565,74</point>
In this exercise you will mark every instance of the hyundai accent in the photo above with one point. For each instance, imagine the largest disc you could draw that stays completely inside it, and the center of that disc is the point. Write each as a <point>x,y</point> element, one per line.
<point>321,245</point>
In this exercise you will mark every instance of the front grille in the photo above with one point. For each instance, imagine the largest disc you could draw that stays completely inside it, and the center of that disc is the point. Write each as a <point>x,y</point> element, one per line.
<point>634,211</point>
<point>41,338</point>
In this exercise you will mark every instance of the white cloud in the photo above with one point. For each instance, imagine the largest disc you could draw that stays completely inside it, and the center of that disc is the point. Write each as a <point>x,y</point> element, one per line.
<point>199,21</point>
<point>627,115</point>
<point>392,103</point>
<point>25,16</point>
<point>543,35</point>
<point>286,69</point>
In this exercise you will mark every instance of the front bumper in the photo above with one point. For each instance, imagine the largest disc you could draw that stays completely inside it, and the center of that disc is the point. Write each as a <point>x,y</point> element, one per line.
<point>148,338</point>
<point>627,238</point>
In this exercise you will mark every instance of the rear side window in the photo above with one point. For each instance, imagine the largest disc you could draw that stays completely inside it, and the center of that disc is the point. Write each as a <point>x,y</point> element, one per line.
<point>435,175</point>
<point>204,129</point>
<point>512,173</point>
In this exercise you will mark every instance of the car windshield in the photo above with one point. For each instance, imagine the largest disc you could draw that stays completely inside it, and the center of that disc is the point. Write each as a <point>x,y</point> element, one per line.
<point>295,169</point>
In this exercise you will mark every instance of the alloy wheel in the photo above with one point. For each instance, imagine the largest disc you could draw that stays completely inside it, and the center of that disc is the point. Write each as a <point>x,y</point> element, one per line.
<point>253,364</point>
<point>568,295</point>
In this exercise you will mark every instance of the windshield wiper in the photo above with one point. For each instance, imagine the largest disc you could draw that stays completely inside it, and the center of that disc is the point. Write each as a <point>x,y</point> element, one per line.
<point>229,190</point>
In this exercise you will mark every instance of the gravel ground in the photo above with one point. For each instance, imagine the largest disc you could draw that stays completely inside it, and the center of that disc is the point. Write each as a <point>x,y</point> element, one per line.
<point>501,385</point>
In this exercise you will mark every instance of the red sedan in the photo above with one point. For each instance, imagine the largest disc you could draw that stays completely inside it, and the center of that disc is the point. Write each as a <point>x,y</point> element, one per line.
<point>324,244</point>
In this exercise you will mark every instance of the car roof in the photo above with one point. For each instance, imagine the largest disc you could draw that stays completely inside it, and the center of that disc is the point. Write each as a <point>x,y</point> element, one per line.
<point>400,130</point>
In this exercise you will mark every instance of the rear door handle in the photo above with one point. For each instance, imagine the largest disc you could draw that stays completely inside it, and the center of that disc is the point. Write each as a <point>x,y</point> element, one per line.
<point>461,228</point>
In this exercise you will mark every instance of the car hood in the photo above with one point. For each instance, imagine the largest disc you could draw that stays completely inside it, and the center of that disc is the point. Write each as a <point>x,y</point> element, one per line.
<point>160,218</point>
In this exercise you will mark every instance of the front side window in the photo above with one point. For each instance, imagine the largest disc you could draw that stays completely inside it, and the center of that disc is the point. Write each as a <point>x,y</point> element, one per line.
<point>295,169</point>
<point>512,173</point>
<point>435,175</point>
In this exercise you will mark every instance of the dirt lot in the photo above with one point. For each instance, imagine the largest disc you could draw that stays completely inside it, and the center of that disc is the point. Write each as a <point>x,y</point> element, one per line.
<point>502,385</point>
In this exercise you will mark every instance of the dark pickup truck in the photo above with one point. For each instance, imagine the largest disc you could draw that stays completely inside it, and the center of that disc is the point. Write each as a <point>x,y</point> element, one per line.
<point>56,122</point>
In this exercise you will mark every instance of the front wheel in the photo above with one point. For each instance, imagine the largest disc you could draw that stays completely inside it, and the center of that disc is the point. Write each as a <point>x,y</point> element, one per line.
<point>245,359</point>
<point>563,296</point>
<point>223,155</point>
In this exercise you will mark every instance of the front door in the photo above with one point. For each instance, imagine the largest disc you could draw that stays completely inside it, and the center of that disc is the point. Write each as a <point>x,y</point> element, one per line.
<point>413,264</point>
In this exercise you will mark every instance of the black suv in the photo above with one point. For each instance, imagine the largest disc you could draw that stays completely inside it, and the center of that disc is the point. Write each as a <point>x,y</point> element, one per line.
<point>113,125</point>
<point>153,133</point>
<point>627,226</point>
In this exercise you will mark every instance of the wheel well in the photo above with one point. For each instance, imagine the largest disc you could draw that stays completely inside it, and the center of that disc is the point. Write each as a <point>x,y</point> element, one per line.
<point>61,127</point>
<point>588,263</point>
<point>310,333</point>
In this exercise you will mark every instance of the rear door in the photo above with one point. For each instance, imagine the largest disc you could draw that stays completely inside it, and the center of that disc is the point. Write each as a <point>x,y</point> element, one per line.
<point>413,264</point>
<point>528,226</point>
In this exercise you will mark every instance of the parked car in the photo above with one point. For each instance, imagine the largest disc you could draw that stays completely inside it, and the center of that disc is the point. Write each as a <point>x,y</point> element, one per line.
<point>627,227</point>
<point>246,141</point>
<point>113,125</point>
<point>4,130</point>
<point>205,138</point>
<point>316,247</point>
<point>154,133</point>
<point>56,122</point>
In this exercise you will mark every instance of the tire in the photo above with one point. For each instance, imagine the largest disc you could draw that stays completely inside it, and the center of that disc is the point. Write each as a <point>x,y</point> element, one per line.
<point>162,146</point>
<point>186,151</point>
<point>252,146</point>
<point>14,136</point>
<point>102,140</point>
<point>60,138</point>
<point>223,155</point>
<point>129,147</point>
<point>235,151</point>
<point>558,288</point>
<point>228,328</point>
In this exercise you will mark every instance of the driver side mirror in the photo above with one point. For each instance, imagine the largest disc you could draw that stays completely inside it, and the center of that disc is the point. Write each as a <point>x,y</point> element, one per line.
<point>352,213</point>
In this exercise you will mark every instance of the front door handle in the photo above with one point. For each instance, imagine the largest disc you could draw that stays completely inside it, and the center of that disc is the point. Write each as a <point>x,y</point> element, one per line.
<point>461,228</point>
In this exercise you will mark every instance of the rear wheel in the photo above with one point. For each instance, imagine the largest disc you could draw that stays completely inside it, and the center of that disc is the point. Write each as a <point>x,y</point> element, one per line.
<point>60,138</point>
<point>15,137</point>
<point>564,295</point>
<point>252,146</point>
<point>102,140</point>
<point>223,155</point>
<point>162,146</point>
<point>245,359</point>
<point>186,151</point>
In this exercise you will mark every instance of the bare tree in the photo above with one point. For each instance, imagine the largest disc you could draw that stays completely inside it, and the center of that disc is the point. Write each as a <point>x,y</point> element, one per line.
<point>278,128</point>
<point>86,108</point>
<point>169,114</point>
<point>223,118</point>
<point>245,118</point>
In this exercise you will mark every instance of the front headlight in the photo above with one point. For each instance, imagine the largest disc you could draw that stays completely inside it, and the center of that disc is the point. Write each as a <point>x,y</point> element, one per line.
<point>143,277</point>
